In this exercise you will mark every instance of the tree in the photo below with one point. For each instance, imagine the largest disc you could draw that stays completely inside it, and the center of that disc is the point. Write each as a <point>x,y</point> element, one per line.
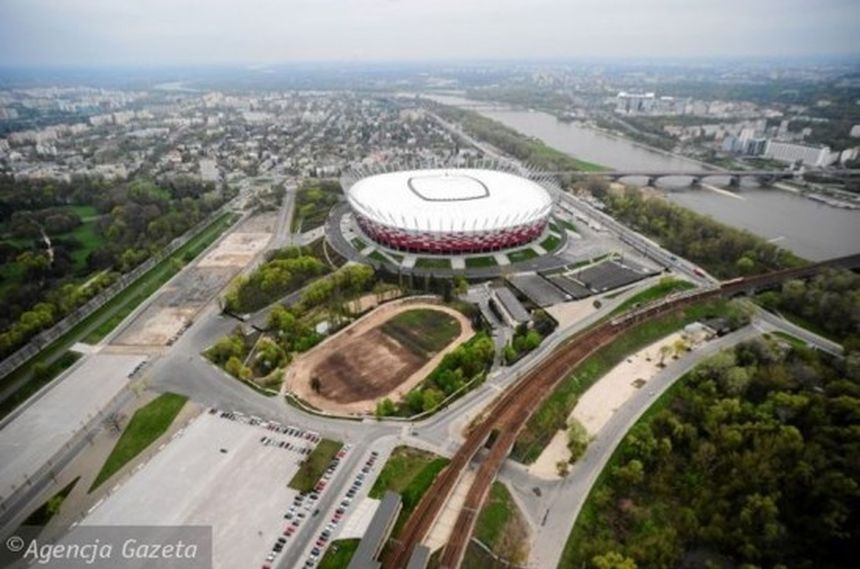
<point>679,346</point>
<point>385,408</point>
<point>316,384</point>
<point>577,440</point>
<point>665,350</point>
<point>613,560</point>
<point>562,467</point>
<point>431,399</point>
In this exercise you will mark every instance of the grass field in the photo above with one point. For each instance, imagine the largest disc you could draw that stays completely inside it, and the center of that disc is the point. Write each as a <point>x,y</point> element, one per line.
<point>44,513</point>
<point>314,465</point>
<point>423,331</point>
<point>500,527</point>
<point>432,263</point>
<point>102,321</point>
<point>522,255</point>
<point>664,288</point>
<point>551,243</point>
<point>497,512</point>
<point>552,414</point>
<point>409,472</point>
<point>90,240</point>
<point>478,262</point>
<point>147,424</point>
<point>339,554</point>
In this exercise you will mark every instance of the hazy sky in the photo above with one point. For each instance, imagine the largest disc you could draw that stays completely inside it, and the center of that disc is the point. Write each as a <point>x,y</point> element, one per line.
<point>237,31</point>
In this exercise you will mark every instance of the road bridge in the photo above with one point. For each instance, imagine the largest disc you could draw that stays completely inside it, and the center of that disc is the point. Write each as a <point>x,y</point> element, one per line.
<point>763,176</point>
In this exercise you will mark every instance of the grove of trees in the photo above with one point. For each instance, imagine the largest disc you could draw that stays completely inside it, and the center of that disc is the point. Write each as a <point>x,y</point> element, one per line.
<point>751,462</point>
<point>829,302</point>
<point>286,271</point>
<point>465,363</point>
<point>40,284</point>
<point>722,250</point>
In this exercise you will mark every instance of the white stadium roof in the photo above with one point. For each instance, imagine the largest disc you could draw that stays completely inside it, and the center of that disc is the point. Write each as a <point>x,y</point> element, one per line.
<point>450,199</point>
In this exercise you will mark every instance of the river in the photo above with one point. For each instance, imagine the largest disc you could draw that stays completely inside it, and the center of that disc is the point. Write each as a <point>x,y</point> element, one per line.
<point>810,229</point>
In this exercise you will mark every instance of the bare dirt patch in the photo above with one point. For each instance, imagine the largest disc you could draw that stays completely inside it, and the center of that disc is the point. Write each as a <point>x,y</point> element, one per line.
<point>361,364</point>
<point>158,327</point>
<point>235,250</point>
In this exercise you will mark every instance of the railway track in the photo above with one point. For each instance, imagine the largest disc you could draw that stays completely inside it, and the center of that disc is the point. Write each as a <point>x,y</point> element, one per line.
<point>508,414</point>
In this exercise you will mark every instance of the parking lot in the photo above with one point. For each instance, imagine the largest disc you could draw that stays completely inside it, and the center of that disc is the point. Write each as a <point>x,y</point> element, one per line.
<point>225,470</point>
<point>347,502</point>
<point>29,440</point>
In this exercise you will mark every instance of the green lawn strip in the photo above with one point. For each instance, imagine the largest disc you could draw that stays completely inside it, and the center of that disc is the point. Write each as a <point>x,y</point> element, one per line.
<point>432,263</point>
<point>478,262</point>
<point>314,465</point>
<point>422,330</point>
<point>146,425</point>
<point>551,243</point>
<point>377,256</point>
<point>44,513</point>
<point>409,472</point>
<point>663,288</point>
<point>552,414</point>
<point>358,244</point>
<point>799,320</point>
<point>498,510</point>
<point>522,255</point>
<point>566,224</point>
<point>793,340</point>
<point>94,327</point>
<point>339,554</point>
<point>588,513</point>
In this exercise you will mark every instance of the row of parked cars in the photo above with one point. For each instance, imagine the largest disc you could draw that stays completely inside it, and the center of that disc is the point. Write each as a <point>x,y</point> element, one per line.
<point>286,445</point>
<point>304,506</point>
<point>325,535</point>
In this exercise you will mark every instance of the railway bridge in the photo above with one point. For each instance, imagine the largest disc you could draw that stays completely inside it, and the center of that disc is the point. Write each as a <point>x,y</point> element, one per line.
<point>503,420</point>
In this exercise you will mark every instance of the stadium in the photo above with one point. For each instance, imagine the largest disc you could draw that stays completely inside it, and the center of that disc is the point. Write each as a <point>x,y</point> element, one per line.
<point>449,210</point>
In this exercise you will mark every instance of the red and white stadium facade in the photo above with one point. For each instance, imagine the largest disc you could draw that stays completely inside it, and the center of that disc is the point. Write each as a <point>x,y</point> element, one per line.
<point>450,211</point>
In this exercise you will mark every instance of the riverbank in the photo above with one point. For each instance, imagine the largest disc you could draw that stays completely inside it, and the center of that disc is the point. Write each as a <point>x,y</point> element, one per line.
<point>809,228</point>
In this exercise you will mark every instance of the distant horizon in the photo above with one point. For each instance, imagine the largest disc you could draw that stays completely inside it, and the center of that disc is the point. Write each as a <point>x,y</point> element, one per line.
<point>261,32</point>
<point>835,57</point>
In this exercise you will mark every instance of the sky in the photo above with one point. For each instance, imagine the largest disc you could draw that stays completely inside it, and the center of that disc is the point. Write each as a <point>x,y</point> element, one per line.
<point>180,32</point>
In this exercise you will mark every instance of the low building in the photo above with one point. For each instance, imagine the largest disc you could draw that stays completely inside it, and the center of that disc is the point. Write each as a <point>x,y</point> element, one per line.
<point>367,554</point>
<point>514,311</point>
<point>420,557</point>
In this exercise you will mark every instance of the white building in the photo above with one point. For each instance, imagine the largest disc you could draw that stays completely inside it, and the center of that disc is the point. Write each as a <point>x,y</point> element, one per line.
<point>818,156</point>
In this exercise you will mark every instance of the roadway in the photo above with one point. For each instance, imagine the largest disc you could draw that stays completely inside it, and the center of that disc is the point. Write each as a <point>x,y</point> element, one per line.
<point>561,501</point>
